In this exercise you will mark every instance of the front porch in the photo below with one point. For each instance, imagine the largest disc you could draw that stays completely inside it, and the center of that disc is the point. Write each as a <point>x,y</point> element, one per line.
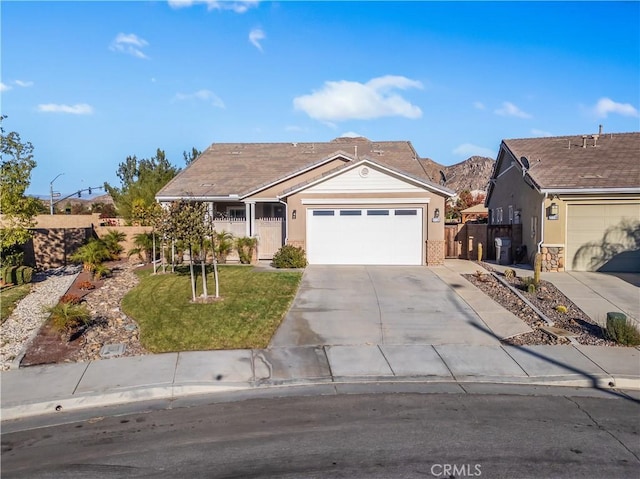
<point>264,221</point>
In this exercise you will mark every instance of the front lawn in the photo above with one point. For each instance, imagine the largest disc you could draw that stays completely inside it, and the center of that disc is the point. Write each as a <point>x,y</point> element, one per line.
<point>252,308</point>
<point>9,298</point>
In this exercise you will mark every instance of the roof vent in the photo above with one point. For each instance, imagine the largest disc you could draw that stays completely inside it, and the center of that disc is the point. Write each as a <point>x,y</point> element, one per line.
<point>584,141</point>
<point>595,140</point>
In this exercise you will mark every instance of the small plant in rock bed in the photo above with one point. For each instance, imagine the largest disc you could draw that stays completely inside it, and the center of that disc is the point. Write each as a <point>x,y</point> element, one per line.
<point>480,276</point>
<point>101,271</point>
<point>621,330</point>
<point>71,299</point>
<point>509,273</point>
<point>86,285</point>
<point>66,318</point>
<point>561,309</point>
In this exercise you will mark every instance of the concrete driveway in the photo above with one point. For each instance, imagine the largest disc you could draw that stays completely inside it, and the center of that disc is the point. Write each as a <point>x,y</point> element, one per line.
<point>354,305</point>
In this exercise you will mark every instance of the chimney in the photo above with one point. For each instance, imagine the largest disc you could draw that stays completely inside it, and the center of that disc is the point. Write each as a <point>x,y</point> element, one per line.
<point>599,130</point>
<point>584,141</point>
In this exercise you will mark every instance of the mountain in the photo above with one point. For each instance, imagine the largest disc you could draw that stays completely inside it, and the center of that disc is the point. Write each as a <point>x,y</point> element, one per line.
<point>471,174</point>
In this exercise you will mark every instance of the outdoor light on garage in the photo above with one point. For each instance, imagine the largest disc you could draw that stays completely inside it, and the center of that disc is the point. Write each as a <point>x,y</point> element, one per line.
<point>294,213</point>
<point>553,212</point>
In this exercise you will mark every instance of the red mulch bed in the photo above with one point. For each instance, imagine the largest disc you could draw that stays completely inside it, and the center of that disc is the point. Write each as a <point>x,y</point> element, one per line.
<point>48,347</point>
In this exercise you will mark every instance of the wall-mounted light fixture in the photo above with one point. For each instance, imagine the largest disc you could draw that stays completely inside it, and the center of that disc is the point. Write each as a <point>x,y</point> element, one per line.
<point>552,212</point>
<point>294,213</point>
<point>436,215</point>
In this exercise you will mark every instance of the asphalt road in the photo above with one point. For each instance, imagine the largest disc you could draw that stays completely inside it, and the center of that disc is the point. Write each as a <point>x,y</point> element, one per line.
<point>368,435</point>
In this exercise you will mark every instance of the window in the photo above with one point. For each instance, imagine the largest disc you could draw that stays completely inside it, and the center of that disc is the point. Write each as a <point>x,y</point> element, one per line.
<point>237,212</point>
<point>499,216</point>
<point>510,213</point>
<point>350,213</point>
<point>534,226</point>
<point>406,212</point>
<point>323,213</point>
<point>492,214</point>
<point>377,212</point>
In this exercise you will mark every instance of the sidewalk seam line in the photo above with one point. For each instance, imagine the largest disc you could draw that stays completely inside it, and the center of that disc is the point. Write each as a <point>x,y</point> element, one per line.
<point>378,303</point>
<point>81,377</point>
<point>324,350</point>
<point>445,363</point>
<point>594,363</point>
<point>386,360</point>
<point>514,360</point>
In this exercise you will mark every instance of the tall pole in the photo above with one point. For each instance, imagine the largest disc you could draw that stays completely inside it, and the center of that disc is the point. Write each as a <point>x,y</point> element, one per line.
<point>51,193</point>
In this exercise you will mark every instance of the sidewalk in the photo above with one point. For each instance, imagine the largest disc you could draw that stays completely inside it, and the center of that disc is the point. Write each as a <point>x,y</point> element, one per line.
<point>46,389</point>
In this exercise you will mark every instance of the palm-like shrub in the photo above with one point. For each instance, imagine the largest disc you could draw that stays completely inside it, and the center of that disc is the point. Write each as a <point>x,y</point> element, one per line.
<point>222,245</point>
<point>68,317</point>
<point>112,241</point>
<point>91,254</point>
<point>143,243</point>
<point>245,247</point>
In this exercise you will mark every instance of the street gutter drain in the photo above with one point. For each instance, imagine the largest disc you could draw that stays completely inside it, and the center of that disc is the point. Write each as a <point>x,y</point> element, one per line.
<point>112,350</point>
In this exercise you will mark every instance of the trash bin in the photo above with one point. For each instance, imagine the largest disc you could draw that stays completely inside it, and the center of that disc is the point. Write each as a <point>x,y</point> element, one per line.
<point>503,250</point>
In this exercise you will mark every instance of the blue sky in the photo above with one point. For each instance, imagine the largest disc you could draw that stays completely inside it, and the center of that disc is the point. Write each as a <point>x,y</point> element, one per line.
<point>89,83</point>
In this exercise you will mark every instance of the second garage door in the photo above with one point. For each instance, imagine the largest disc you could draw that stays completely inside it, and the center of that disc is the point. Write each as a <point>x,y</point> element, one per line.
<point>365,236</point>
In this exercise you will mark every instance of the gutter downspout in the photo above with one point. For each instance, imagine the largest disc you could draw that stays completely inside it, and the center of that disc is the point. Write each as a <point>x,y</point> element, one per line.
<point>542,223</point>
<point>286,220</point>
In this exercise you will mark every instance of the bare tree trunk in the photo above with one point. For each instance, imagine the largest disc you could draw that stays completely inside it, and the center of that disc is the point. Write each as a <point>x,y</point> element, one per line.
<point>215,277</point>
<point>203,254</point>
<point>173,256</point>
<point>193,277</point>
<point>163,256</point>
<point>153,253</point>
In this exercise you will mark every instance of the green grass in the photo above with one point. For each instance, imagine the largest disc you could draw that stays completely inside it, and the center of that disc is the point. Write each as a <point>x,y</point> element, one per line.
<point>252,308</point>
<point>9,298</point>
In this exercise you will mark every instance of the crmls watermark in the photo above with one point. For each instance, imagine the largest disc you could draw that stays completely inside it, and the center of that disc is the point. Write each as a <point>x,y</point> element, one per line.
<point>456,470</point>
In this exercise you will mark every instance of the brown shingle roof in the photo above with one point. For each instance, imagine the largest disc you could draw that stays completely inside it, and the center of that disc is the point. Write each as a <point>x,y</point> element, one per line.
<point>240,168</point>
<point>562,162</point>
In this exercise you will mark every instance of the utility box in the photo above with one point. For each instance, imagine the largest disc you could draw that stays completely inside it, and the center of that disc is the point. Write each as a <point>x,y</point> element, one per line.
<point>503,250</point>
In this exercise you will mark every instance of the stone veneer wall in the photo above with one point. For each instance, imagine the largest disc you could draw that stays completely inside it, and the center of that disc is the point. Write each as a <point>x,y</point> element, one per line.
<point>552,258</point>
<point>435,253</point>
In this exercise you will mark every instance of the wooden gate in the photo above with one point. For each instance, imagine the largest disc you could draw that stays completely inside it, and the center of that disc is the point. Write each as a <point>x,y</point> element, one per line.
<point>451,244</point>
<point>270,233</point>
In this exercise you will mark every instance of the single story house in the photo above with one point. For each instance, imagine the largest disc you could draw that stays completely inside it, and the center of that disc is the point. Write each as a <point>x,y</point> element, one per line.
<point>577,199</point>
<point>347,201</point>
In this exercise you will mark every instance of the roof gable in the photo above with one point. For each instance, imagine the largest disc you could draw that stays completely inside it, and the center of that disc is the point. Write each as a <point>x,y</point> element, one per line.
<point>366,176</point>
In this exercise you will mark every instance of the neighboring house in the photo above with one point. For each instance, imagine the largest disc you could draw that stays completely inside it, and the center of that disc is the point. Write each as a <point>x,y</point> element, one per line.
<point>477,212</point>
<point>577,199</point>
<point>347,201</point>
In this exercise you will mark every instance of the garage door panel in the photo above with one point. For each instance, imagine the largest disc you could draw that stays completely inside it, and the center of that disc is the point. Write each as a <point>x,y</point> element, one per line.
<point>375,236</point>
<point>597,236</point>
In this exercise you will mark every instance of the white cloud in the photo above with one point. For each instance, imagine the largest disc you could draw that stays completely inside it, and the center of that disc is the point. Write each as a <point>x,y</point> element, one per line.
<point>129,43</point>
<point>607,105</point>
<point>4,87</point>
<point>351,134</point>
<point>78,109</point>
<point>240,6</point>
<point>346,100</point>
<point>468,149</point>
<point>535,131</point>
<point>202,95</point>
<point>255,36</point>
<point>23,84</point>
<point>478,105</point>
<point>509,109</point>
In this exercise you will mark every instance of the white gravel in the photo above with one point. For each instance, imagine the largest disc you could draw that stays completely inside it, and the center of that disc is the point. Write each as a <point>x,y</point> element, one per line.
<point>29,315</point>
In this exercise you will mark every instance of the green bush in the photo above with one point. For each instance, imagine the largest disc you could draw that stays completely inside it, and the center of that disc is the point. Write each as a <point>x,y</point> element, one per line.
<point>9,274</point>
<point>531,288</point>
<point>561,309</point>
<point>68,317</point>
<point>621,330</point>
<point>290,257</point>
<point>24,274</point>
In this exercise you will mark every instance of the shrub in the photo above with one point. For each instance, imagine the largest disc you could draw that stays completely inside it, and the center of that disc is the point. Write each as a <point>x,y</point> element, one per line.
<point>561,309</point>
<point>509,273</point>
<point>68,317</point>
<point>86,285</point>
<point>622,331</point>
<point>9,274</point>
<point>290,256</point>
<point>71,299</point>
<point>222,245</point>
<point>101,271</point>
<point>112,241</point>
<point>91,254</point>
<point>245,247</point>
<point>24,274</point>
<point>531,288</point>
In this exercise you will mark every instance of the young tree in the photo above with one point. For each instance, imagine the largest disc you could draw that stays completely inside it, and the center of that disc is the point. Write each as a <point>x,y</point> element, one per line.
<point>187,221</point>
<point>140,181</point>
<point>18,210</point>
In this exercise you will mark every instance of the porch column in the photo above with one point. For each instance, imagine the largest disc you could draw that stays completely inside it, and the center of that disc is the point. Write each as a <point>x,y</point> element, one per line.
<point>250,224</point>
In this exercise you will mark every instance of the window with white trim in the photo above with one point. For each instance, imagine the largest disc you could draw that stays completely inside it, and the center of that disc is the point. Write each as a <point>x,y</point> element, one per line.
<point>510,214</point>
<point>237,212</point>
<point>499,216</point>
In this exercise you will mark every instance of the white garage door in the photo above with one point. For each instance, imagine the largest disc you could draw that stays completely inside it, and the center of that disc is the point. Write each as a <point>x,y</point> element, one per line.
<point>601,237</point>
<point>364,236</point>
